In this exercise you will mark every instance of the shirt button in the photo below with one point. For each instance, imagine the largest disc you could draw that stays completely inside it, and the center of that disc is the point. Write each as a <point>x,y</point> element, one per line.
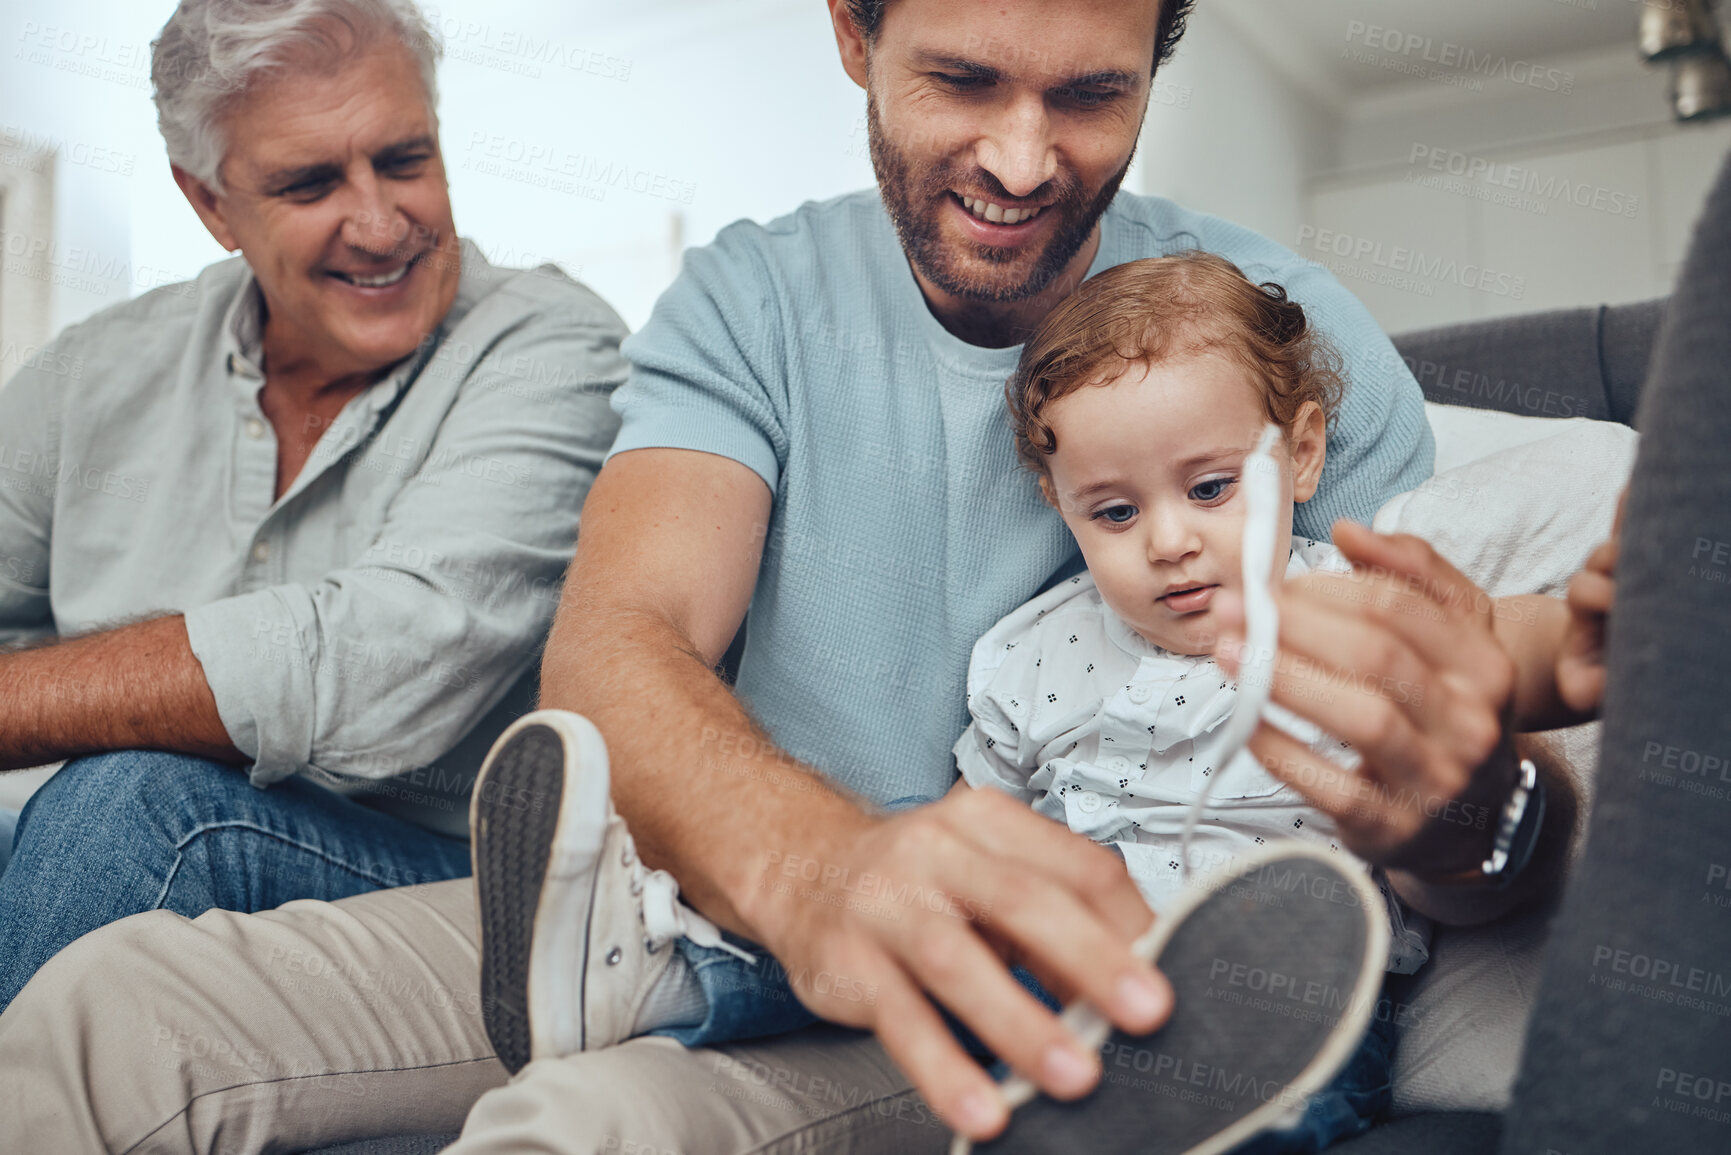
<point>1087,802</point>
<point>1118,764</point>
<point>261,551</point>
<point>254,428</point>
<point>1140,693</point>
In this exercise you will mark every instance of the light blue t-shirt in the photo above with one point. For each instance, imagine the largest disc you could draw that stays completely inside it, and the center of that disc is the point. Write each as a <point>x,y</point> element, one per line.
<point>903,526</point>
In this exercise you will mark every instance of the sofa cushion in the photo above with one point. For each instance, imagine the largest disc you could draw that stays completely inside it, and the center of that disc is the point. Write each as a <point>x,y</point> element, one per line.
<point>1521,520</point>
<point>404,1145</point>
<point>1464,1016</point>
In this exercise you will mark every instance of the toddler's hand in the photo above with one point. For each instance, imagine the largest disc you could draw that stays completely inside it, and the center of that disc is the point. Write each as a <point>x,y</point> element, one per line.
<point>1581,658</point>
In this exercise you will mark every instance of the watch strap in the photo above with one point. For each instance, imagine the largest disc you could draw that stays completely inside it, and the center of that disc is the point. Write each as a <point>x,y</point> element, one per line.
<point>1518,825</point>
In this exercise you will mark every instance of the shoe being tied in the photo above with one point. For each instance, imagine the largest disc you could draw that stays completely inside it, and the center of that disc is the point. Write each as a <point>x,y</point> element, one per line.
<point>1276,963</point>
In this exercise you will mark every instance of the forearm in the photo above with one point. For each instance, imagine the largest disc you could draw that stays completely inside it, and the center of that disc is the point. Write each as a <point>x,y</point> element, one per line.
<point>1530,628</point>
<point>1466,904</point>
<point>705,792</point>
<point>137,687</point>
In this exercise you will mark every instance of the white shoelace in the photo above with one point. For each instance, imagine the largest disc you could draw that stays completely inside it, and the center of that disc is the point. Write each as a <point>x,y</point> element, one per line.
<point>1261,621</point>
<point>665,918</point>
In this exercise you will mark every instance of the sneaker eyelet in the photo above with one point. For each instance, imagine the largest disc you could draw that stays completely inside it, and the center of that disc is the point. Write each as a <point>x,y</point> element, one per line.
<point>613,956</point>
<point>651,945</point>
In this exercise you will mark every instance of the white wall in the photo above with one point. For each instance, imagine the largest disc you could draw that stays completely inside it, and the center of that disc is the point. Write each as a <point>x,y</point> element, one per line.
<point>1233,129</point>
<point>742,103</point>
<point>720,110</point>
<point>75,80</point>
<point>1605,188</point>
<point>1455,206</point>
<point>726,110</point>
<point>552,115</point>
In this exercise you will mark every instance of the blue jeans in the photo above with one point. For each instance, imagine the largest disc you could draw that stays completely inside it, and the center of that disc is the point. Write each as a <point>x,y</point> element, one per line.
<point>118,834</point>
<point>755,1000</point>
<point>1348,1106</point>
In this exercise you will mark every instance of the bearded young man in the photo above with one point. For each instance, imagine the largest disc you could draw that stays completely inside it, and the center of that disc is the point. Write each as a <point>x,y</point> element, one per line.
<point>813,430</point>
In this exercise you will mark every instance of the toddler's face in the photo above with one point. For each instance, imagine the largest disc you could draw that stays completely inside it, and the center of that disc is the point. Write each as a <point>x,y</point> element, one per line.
<point>1147,476</point>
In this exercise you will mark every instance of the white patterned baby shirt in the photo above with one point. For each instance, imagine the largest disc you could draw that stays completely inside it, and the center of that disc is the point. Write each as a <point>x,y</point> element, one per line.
<point>1100,729</point>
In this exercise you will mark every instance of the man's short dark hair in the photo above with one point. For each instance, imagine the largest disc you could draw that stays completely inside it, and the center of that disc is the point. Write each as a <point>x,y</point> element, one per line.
<point>868,18</point>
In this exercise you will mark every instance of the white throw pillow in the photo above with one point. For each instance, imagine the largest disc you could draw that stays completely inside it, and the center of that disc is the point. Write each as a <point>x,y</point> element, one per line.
<point>1464,434</point>
<point>1522,520</point>
<point>1519,517</point>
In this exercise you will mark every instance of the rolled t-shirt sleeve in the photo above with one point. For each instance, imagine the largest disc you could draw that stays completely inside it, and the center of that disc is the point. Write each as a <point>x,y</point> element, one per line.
<point>387,661</point>
<point>707,370</point>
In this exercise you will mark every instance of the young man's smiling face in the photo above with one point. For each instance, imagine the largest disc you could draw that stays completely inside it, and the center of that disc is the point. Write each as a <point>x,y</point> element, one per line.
<point>1000,132</point>
<point>1148,476</point>
<point>334,189</point>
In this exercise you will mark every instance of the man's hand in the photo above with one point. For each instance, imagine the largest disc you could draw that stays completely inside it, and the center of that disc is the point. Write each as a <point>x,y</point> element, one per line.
<point>934,904</point>
<point>1581,661</point>
<point>1401,660</point>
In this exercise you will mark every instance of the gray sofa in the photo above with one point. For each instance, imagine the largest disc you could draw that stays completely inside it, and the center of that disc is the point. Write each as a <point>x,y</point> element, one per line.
<point>1570,363</point>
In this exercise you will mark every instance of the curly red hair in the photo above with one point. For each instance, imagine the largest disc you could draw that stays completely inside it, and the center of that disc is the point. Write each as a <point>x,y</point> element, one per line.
<point>1153,310</point>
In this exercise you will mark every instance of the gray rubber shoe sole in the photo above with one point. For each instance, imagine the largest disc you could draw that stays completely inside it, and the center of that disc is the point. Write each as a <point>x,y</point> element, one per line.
<point>512,844</point>
<point>1276,965</point>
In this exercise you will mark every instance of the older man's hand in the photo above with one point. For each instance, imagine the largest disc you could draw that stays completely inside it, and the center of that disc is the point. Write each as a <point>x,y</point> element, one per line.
<point>1400,660</point>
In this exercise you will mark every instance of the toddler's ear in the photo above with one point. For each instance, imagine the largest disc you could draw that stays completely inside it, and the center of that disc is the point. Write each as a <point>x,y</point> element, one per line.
<point>1307,441</point>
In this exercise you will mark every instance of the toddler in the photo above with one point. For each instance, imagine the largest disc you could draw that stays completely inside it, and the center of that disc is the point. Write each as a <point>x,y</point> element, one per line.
<point>1136,405</point>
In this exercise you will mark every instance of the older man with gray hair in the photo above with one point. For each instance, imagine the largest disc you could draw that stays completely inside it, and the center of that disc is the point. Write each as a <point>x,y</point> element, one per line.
<point>298,524</point>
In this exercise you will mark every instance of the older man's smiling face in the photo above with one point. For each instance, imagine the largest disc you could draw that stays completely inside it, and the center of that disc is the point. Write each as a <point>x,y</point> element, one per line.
<point>1000,132</point>
<point>335,192</point>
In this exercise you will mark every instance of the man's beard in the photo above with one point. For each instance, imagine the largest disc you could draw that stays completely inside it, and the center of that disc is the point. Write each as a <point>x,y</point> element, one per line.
<point>914,201</point>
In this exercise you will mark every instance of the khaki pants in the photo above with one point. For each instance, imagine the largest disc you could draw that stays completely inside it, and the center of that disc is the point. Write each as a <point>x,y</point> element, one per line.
<point>324,1022</point>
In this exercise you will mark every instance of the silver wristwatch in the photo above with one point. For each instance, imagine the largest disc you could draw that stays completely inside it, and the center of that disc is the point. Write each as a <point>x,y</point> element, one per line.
<point>1523,815</point>
<point>1517,829</point>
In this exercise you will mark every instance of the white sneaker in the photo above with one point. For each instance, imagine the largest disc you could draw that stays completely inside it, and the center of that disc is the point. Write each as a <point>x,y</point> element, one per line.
<point>574,928</point>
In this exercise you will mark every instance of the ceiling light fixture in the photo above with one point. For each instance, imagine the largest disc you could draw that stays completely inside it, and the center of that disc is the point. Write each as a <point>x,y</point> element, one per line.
<point>1670,28</point>
<point>1685,35</point>
<point>1701,85</point>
